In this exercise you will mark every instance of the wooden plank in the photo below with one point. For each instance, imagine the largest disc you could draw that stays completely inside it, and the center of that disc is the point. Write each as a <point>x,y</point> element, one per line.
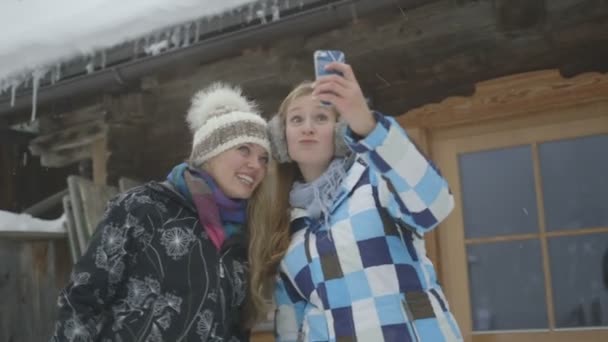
<point>262,337</point>
<point>93,200</point>
<point>82,233</point>
<point>66,157</point>
<point>57,122</point>
<point>516,95</point>
<point>99,154</point>
<point>69,138</point>
<point>9,301</point>
<point>544,241</point>
<point>587,335</point>
<point>71,228</point>
<point>31,275</point>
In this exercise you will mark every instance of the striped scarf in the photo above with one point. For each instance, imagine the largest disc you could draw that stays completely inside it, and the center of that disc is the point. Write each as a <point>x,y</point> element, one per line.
<point>221,216</point>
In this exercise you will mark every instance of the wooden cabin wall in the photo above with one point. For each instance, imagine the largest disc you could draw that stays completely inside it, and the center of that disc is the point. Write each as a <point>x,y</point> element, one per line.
<point>31,274</point>
<point>24,182</point>
<point>404,58</point>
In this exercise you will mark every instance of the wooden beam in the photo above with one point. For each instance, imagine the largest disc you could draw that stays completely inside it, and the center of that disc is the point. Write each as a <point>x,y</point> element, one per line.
<point>69,138</point>
<point>57,122</point>
<point>99,153</point>
<point>511,96</point>
<point>65,157</point>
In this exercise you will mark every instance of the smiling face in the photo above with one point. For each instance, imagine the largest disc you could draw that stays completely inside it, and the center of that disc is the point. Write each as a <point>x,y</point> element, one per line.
<point>309,131</point>
<point>239,170</point>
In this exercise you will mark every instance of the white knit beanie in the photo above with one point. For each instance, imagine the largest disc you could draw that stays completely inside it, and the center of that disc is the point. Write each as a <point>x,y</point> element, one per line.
<point>221,118</point>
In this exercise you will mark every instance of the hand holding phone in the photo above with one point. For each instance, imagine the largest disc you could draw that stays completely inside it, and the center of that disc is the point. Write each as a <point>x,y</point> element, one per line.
<point>344,94</point>
<point>324,57</point>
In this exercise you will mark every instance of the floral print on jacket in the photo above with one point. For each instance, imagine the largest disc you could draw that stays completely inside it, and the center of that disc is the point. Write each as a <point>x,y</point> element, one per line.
<point>151,273</point>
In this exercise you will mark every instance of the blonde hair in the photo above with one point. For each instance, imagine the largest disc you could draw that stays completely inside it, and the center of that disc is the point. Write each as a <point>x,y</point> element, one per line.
<point>270,238</point>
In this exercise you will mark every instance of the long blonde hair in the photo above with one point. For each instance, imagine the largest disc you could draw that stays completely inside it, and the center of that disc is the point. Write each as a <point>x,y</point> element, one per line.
<point>270,218</point>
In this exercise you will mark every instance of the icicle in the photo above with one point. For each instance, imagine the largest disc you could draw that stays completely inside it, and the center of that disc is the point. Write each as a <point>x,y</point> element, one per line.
<point>353,12</point>
<point>276,11</point>
<point>197,31</point>
<point>186,41</point>
<point>56,73</point>
<point>24,159</point>
<point>90,67</point>
<point>175,37</point>
<point>261,13</point>
<point>250,14</point>
<point>14,85</point>
<point>36,76</point>
<point>301,4</point>
<point>136,48</point>
<point>103,58</point>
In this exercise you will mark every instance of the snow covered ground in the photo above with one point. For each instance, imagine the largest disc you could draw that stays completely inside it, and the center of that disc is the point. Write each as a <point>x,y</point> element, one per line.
<point>14,222</point>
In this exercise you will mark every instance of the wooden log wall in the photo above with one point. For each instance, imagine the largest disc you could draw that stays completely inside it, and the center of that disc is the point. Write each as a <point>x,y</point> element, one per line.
<point>68,138</point>
<point>32,271</point>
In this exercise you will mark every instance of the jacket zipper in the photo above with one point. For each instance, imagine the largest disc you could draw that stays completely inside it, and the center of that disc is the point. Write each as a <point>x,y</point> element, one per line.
<point>222,274</point>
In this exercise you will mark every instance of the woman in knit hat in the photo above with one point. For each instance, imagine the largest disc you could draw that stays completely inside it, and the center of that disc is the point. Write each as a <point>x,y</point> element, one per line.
<point>168,261</point>
<point>353,200</point>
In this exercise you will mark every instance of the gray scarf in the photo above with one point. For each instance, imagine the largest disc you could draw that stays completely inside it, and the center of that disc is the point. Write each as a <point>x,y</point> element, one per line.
<point>318,196</point>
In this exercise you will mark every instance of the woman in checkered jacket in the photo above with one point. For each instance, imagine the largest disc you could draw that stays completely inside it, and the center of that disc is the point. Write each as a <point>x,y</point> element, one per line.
<point>354,198</point>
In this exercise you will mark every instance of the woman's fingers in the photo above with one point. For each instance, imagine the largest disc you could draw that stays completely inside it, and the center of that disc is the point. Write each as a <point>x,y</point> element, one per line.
<point>330,87</point>
<point>344,69</point>
<point>332,78</point>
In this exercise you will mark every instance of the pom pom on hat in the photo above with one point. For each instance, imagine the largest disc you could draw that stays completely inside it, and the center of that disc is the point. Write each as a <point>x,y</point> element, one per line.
<point>216,99</point>
<point>222,118</point>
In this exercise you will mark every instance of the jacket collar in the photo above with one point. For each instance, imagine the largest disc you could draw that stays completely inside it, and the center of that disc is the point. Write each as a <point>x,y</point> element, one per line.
<point>355,172</point>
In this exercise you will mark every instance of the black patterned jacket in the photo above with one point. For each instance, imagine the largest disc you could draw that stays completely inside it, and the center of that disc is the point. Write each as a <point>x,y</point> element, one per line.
<point>150,273</point>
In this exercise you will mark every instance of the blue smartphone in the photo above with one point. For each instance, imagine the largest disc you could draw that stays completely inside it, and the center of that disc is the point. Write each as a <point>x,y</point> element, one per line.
<point>324,57</point>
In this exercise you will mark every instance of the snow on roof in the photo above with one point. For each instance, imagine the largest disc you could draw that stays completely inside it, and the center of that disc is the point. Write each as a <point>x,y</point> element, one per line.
<point>10,221</point>
<point>37,34</point>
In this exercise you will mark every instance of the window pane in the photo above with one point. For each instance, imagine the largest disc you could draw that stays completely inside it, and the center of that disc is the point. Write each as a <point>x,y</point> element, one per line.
<point>575,182</point>
<point>507,286</point>
<point>498,192</point>
<point>580,288</point>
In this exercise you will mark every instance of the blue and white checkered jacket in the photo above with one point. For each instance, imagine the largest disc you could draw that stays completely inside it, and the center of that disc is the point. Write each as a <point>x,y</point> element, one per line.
<point>365,276</point>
